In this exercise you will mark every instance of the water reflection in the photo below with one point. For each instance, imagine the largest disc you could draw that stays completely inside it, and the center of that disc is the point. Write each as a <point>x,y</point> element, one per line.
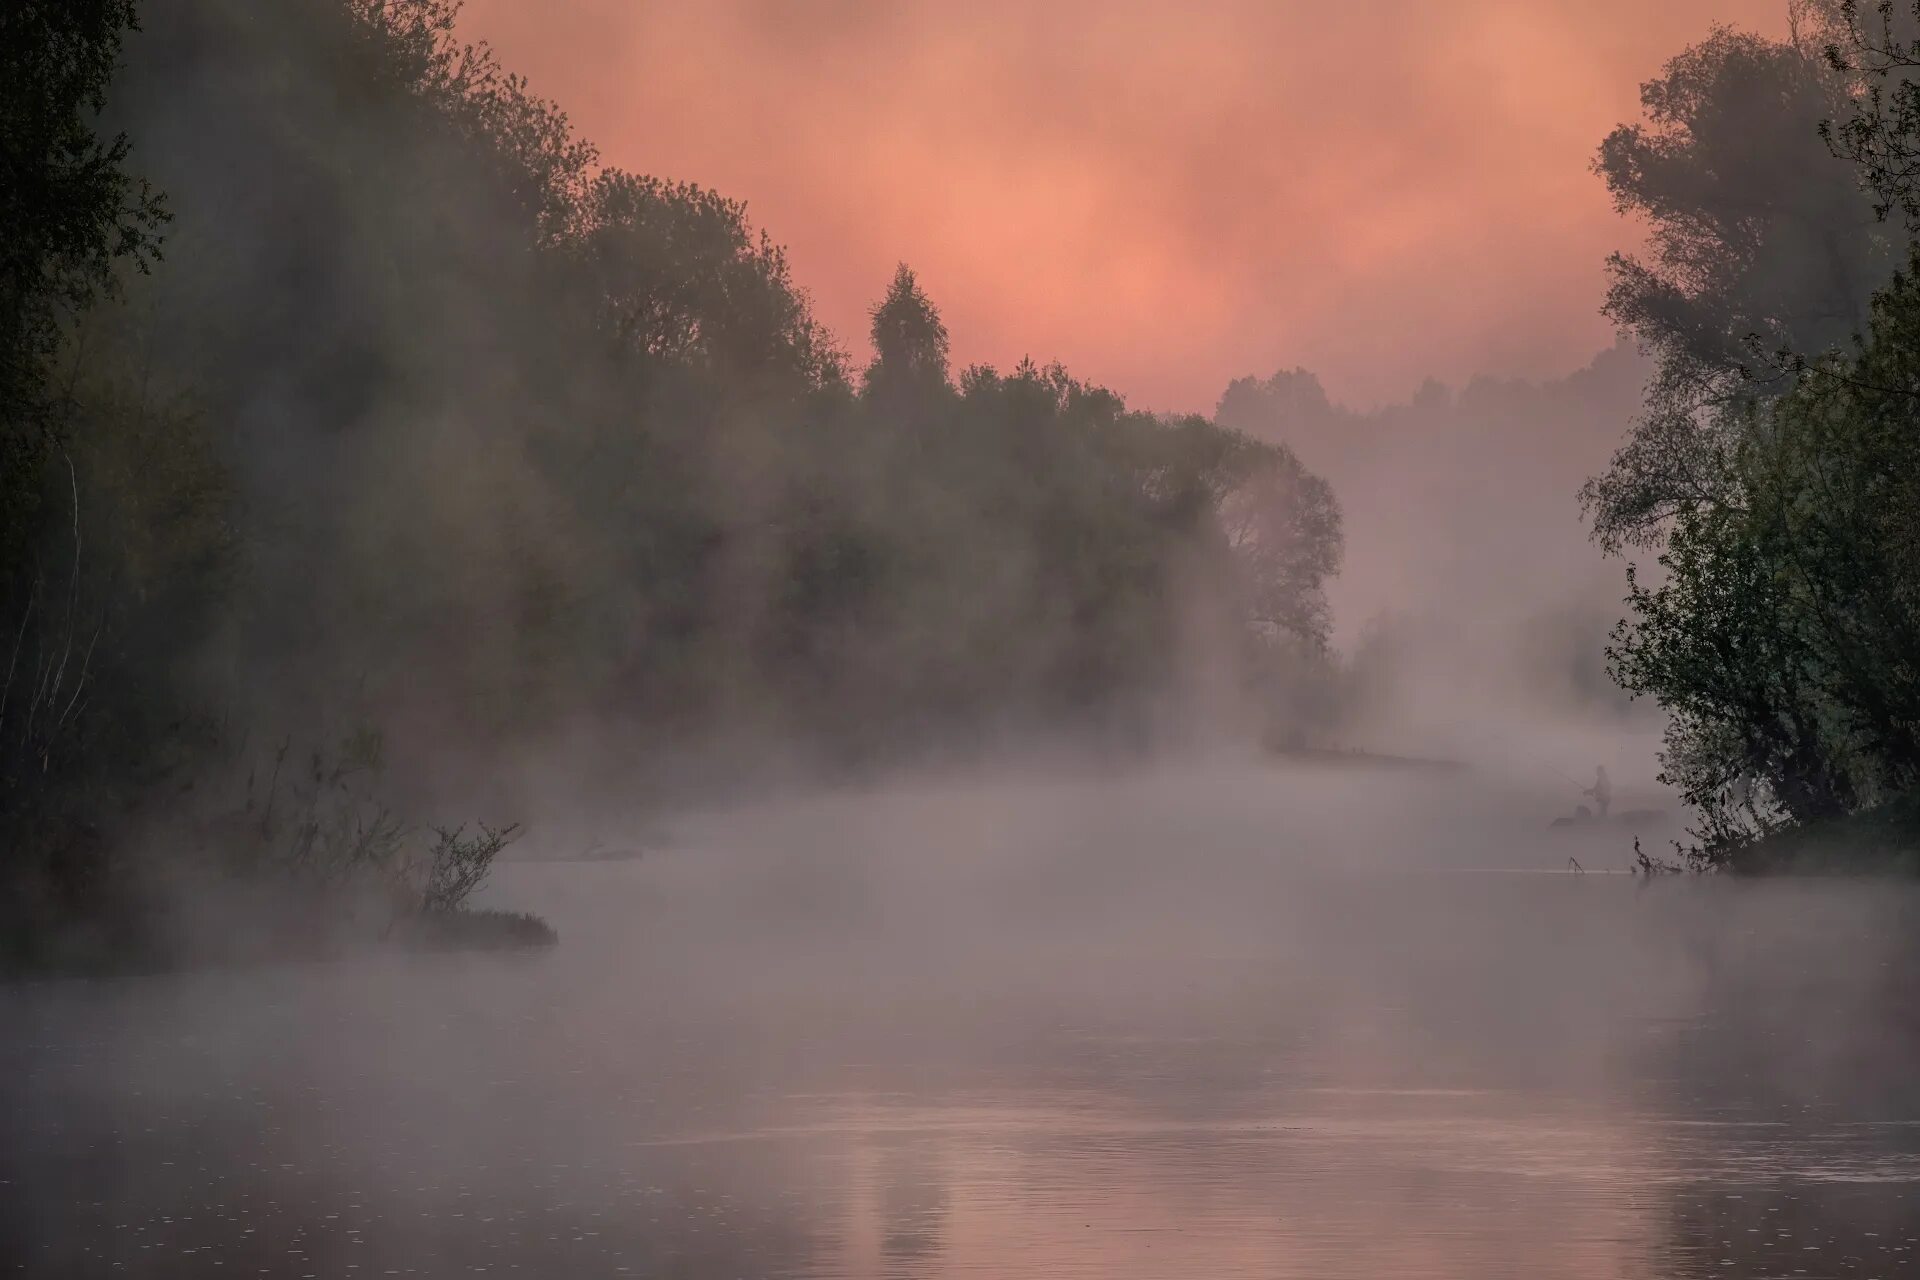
<point>1210,1065</point>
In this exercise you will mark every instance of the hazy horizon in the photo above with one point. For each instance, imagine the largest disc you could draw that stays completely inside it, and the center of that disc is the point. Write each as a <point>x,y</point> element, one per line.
<point>1161,204</point>
<point>848,641</point>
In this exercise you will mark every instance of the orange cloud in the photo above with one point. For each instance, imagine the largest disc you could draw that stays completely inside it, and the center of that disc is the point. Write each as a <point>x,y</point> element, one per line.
<point>1163,196</point>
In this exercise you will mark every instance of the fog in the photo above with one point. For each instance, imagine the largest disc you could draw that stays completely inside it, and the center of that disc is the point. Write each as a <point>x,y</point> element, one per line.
<point>550,573</point>
<point>1216,183</point>
<point>951,818</point>
<point>1451,659</point>
<point>1205,1019</point>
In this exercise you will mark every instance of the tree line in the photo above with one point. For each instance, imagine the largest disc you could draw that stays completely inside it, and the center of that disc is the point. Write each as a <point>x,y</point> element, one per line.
<point>346,389</point>
<point>1774,472</point>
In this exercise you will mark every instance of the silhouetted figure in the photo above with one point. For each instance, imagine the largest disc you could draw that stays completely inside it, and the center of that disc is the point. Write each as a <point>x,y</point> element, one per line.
<point>1601,790</point>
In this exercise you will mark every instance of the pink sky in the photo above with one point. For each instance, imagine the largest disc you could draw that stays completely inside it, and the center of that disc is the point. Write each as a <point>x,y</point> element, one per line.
<point>1164,196</point>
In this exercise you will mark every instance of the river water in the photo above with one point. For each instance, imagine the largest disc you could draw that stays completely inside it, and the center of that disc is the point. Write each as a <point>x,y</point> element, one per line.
<point>1216,1024</point>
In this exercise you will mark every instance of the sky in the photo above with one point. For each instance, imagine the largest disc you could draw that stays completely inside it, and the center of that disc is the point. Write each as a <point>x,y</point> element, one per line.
<point>1164,196</point>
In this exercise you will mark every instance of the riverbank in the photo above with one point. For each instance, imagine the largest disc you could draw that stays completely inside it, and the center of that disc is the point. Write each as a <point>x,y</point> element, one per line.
<point>1882,841</point>
<point>1360,758</point>
<point>130,947</point>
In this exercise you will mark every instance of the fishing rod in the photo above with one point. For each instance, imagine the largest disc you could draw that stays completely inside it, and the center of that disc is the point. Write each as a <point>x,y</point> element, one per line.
<point>1564,776</point>
<point>1569,777</point>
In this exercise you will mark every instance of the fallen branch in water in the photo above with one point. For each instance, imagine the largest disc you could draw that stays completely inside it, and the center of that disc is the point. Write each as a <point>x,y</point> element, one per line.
<point>1644,865</point>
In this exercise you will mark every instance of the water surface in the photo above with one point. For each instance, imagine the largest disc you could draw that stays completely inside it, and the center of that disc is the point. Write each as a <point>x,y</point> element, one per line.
<point>1169,1026</point>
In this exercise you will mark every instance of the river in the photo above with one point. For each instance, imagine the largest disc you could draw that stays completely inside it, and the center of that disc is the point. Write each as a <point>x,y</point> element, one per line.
<point>1213,1023</point>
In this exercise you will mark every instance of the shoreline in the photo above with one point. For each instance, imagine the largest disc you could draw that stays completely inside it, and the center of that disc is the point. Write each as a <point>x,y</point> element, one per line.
<point>1881,842</point>
<point>75,956</point>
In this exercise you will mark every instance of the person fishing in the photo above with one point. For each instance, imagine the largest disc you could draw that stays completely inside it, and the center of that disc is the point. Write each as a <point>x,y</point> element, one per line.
<point>1601,790</point>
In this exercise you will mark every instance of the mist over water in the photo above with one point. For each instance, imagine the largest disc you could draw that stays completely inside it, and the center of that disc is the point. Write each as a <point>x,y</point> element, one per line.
<point>1212,1020</point>
<point>991,828</point>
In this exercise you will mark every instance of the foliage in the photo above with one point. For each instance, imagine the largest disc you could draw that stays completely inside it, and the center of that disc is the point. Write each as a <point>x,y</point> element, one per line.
<point>68,213</point>
<point>684,281</point>
<point>458,864</point>
<point>132,551</point>
<point>320,821</point>
<point>1782,635</point>
<point>1759,242</point>
<point>1779,490</point>
<point>909,340</point>
<point>428,406</point>
<point>1283,526</point>
<point>408,46</point>
<point>1880,840</point>
<point>70,210</point>
<point>1876,48</point>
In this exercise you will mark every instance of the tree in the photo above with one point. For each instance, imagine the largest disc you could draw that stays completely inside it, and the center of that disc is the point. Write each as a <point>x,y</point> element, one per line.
<point>1759,242</point>
<point>909,342</point>
<point>1773,468</point>
<point>1834,479</point>
<point>685,281</point>
<point>1876,49</point>
<point>408,47</point>
<point>430,416</point>
<point>1782,635</point>
<point>69,213</point>
<point>1719,644</point>
<point>1282,526</point>
<point>1289,404</point>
